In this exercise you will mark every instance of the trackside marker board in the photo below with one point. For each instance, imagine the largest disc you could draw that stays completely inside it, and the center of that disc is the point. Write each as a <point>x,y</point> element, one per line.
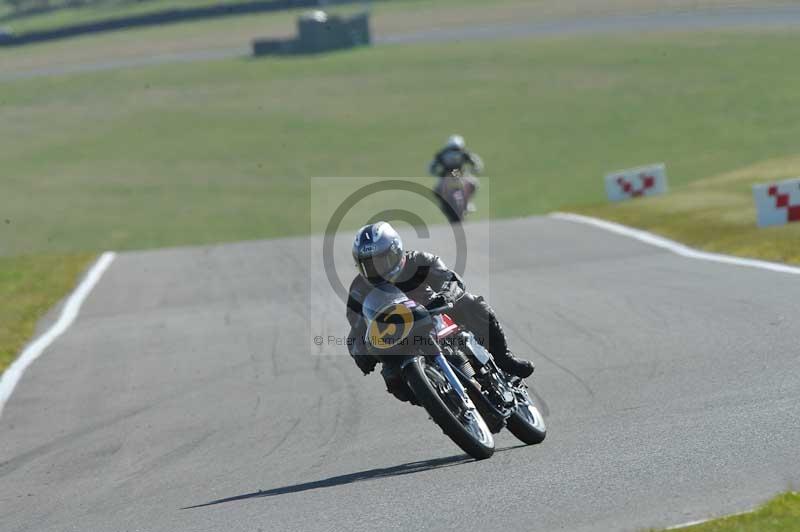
<point>777,203</point>
<point>643,181</point>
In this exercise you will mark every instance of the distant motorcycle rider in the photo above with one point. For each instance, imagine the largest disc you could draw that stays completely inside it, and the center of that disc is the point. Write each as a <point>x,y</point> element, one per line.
<point>455,157</point>
<point>380,258</point>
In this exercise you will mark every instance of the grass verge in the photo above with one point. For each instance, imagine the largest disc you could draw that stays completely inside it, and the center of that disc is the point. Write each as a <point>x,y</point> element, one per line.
<point>220,151</point>
<point>781,514</point>
<point>715,214</point>
<point>388,17</point>
<point>29,287</point>
<point>103,10</point>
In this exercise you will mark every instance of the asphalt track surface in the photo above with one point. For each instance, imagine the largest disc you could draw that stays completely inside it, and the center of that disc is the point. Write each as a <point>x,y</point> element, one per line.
<point>189,395</point>
<point>771,17</point>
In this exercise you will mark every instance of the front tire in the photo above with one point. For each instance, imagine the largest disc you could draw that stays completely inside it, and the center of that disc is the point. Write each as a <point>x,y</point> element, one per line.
<point>451,212</point>
<point>427,383</point>
<point>527,423</point>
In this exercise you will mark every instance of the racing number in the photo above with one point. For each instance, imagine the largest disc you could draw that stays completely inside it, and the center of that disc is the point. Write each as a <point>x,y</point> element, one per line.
<point>391,327</point>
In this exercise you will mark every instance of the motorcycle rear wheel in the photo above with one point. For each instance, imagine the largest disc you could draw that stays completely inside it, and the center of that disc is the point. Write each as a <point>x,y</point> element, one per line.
<point>453,213</point>
<point>475,438</point>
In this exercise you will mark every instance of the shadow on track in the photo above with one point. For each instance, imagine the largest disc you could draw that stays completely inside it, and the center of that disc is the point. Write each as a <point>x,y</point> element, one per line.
<point>370,474</point>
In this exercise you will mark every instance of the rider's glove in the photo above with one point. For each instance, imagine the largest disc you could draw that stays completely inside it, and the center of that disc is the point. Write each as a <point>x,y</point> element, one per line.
<point>358,350</point>
<point>448,295</point>
<point>439,300</point>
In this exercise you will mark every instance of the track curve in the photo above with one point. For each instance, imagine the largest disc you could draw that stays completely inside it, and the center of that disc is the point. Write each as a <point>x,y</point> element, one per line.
<point>189,396</point>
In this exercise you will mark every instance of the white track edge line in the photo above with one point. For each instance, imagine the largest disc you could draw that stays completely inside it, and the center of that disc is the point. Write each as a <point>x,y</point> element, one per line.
<point>12,375</point>
<point>689,523</point>
<point>684,251</point>
<point>675,247</point>
<point>701,521</point>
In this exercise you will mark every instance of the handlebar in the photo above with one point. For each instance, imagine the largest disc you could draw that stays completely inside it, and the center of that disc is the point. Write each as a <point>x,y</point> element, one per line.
<point>440,310</point>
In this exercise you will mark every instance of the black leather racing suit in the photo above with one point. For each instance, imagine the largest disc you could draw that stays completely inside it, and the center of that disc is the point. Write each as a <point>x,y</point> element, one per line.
<point>449,159</point>
<point>424,275</point>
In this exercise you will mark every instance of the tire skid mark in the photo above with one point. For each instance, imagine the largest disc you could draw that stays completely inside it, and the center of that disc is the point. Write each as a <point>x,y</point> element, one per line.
<point>9,466</point>
<point>347,412</point>
<point>274,354</point>
<point>14,463</point>
<point>560,366</point>
<point>284,438</point>
<point>167,457</point>
<point>579,327</point>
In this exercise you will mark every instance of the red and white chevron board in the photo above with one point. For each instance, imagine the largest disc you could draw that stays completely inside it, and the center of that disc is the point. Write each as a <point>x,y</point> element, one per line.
<point>777,203</point>
<point>636,182</point>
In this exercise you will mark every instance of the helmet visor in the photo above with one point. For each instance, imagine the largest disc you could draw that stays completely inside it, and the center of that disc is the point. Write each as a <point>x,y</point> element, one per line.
<point>380,267</point>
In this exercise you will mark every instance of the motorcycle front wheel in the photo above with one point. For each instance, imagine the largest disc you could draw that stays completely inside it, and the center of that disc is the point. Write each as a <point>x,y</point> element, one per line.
<point>463,425</point>
<point>526,423</point>
<point>452,211</point>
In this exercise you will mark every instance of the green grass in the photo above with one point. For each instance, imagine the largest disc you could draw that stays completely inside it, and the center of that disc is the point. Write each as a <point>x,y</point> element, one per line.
<point>387,17</point>
<point>716,214</point>
<point>781,514</point>
<point>207,152</point>
<point>29,286</point>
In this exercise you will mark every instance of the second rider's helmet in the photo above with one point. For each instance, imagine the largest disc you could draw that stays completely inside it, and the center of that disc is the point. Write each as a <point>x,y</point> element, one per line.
<point>378,252</point>
<point>456,142</point>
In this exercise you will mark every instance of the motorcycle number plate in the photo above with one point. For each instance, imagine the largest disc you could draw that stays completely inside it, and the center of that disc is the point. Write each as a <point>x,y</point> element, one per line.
<point>391,327</point>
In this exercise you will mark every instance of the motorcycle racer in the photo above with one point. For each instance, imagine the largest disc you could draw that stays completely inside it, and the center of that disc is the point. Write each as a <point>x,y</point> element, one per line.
<point>380,257</point>
<point>455,156</point>
<point>452,160</point>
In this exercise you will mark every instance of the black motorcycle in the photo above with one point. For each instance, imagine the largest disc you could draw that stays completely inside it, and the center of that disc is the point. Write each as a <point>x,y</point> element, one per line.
<point>449,373</point>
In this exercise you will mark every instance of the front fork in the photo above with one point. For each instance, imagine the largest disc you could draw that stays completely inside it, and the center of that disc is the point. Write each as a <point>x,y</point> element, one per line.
<point>449,374</point>
<point>452,378</point>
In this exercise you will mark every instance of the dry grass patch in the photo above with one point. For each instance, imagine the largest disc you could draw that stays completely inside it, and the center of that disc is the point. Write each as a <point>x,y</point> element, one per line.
<point>716,214</point>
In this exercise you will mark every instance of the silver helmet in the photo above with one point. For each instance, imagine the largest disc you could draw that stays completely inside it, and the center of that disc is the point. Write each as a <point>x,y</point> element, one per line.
<point>456,142</point>
<point>378,252</point>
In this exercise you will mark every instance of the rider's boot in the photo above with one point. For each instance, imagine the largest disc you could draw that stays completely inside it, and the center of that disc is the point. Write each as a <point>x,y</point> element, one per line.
<point>515,366</point>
